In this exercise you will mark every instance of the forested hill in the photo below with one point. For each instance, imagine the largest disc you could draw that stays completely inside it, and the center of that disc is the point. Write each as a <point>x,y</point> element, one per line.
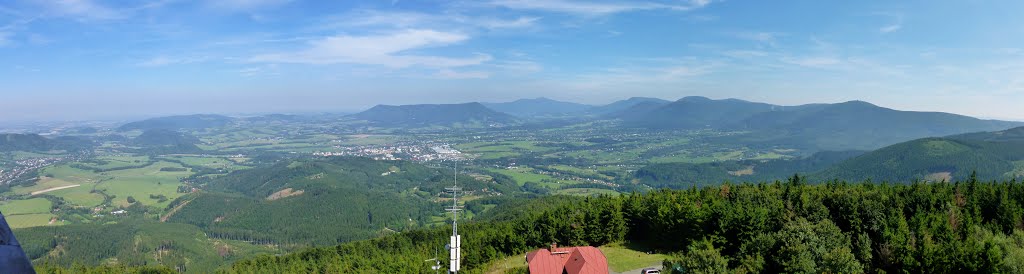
<point>854,125</point>
<point>686,175</point>
<point>997,155</point>
<point>467,115</point>
<point>197,121</point>
<point>695,112</point>
<point>992,155</point>
<point>35,142</point>
<point>538,107</point>
<point>617,107</point>
<point>791,227</point>
<point>163,141</point>
<point>322,201</point>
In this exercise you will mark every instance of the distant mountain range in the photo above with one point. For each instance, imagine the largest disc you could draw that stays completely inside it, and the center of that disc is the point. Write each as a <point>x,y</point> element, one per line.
<point>539,107</point>
<point>459,115</point>
<point>190,122</point>
<point>37,143</point>
<point>163,141</point>
<point>993,155</point>
<point>616,108</point>
<point>853,125</point>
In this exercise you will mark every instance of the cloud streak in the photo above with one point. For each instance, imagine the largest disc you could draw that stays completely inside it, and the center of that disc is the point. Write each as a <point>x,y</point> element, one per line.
<point>382,49</point>
<point>890,28</point>
<point>83,10</point>
<point>589,8</point>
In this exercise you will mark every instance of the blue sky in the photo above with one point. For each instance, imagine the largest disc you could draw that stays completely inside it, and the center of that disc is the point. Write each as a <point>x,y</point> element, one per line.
<point>86,59</point>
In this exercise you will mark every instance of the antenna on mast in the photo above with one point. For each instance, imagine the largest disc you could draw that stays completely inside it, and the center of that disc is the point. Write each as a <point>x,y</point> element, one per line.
<point>455,242</point>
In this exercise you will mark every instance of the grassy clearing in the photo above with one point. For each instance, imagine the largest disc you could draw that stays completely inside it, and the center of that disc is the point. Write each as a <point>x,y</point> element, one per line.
<point>622,258</point>
<point>82,196</point>
<point>29,206</point>
<point>586,191</point>
<point>209,162</point>
<point>118,161</point>
<point>24,155</point>
<point>142,182</point>
<point>508,264</point>
<point>362,140</point>
<point>581,171</point>
<point>523,175</point>
<point>29,220</point>
<point>770,156</point>
<point>1018,170</point>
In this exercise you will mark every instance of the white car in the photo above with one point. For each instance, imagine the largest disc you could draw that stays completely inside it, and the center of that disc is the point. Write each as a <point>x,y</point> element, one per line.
<point>650,271</point>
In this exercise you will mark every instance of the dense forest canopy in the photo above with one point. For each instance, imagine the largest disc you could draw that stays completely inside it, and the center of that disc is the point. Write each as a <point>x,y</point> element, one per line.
<point>833,227</point>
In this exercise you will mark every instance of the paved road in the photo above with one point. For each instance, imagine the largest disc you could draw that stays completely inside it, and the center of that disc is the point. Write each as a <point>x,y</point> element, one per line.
<point>636,271</point>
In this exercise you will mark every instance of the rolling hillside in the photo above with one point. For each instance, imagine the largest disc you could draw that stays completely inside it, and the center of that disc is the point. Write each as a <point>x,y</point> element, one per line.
<point>993,155</point>
<point>320,201</point>
<point>466,115</point>
<point>854,125</point>
<point>694,113</point>
<point>538,107</point>
<point>197,121</point>
<point>162,141</point>
<point>685,175</point>
<point>621,105</point>
<point>35,142</point>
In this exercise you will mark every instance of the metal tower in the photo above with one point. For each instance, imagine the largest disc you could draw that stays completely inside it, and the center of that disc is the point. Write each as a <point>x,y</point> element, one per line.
<point>455,242</point>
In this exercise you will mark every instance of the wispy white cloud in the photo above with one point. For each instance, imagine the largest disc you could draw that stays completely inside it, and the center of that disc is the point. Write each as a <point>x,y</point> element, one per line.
<point>382,49</point>
<point>764,38</point>
<point>160,61</point>
<point>814,61</point>
<point>401,19</point>
<point>591,8</point>
<point>245,5</point>
<point>82,10</point>
<point>895,18</point>
<point>494,23</point>
<point>452,74</point>
<point>890,28</point>
<point>5,38</point>
<point>672,72</point>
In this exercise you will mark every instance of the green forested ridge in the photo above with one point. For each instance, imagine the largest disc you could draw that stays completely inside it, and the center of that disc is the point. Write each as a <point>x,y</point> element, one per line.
<point>684,175</point>
<point>920,158</point>
<point>37,143</point>
<point>616,108</point>
<point>197,121</point>
<point>538,107</point>
<point>164,141</point>
<point>331,200</point>
<point>131,242</point>
<point>432,115</point>
<point>835,227</point>
<point>854,125</point>
<point>993,155</point>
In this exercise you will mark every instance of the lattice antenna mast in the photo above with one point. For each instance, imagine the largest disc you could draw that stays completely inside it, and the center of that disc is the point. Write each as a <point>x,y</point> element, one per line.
<point>455,242</point>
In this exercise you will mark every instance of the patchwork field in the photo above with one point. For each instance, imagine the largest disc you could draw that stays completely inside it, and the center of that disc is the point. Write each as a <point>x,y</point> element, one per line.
<point>29,206</point>
<point>586,191</point>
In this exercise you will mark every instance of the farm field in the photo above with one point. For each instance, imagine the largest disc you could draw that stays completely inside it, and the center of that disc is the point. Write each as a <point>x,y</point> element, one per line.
<point>30,220</point>
<point>586,191</point>
<point>29,206</point>
<point>622,258</point>
<point>140,183</point>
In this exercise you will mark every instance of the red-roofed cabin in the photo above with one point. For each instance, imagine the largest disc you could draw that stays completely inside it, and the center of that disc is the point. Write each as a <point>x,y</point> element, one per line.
<point>567,260</point>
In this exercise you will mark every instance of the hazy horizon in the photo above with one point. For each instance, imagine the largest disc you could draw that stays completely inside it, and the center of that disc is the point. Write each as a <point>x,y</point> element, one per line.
<point>93,59</point>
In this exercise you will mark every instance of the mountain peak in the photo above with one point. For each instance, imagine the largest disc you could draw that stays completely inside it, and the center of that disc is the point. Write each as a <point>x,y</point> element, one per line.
<point>695,99</point>
<point>858,103</point>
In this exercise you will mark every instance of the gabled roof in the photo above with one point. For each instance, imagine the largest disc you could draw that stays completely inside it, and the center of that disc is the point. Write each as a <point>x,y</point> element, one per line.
<point>571,260</point>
